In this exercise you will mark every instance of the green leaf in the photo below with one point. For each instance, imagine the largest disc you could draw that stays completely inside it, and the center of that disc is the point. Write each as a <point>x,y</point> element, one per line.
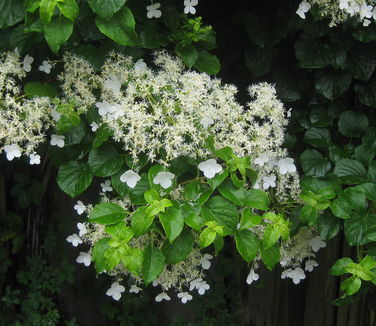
<point>352,124</point>
<point>319,137</point>
<point>187,53</point>
<point>248,219</point>
<point>101,135</point>
<point>121,188</point>
<point>107,213</point>
<point>357,226</point>
<point>362,61</point>
<point>136,194</point>
<point>328,225</point>
<point>39,89</point>
<point>339,268</point>
<point>46,10</point>
<point>141,221</point>
<point>372,171</point>
<point>319,117</point>
<point>260,60</point>
<point>192,216</point>
<point>364,154</point>
<point>98,254</point>
<point>332,85</point>
<point>270,256</point>
<point>152,265</point>
<point>208,63</point>
<point>32,5</point>
<point>69,8</point>
<point>105,161</point>
<point>313,163</point>
<point>341,208</point>
<point>158,207</point>
<point>218,179</point>
<point>351,285</point>
<point>73,178</point>
<point>133,260</point>
<point>106,8</point>
<point>67,122</point>
<point>369,190</point>
<point>58,32</point>
<point>152,196</point>
<point>308,215</point>
<point>247,244</point>
<point>367,92</point>
<point>173,222</point>
<point>120,27</point>
<point>180,248</point>
<point>355,197</point>
<point>207,237</point>
<point>350,171</point>
<point>337,153</point>
<point>11,12</point>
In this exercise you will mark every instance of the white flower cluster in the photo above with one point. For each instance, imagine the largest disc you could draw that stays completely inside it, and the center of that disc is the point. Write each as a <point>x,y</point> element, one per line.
<point>340,10</point>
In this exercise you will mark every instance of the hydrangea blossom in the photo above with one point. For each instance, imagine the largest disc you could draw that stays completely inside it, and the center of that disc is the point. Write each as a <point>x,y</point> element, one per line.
<point>205,261</point>
<point>210,168</point>
<point>316,243</point>
<point>134,289</point>
<point>269,182</point>
<point>106,186</point>
<point>55,115</point>
<point>12,151</point>
<point>115,291</point>
<point>164,179</point>
<point>84,258</point>
<point>286,165</point>
<point>153,10</point>
<point>57,140</point>
<point>200,285</point>
<point>261,160</point>
<point>94,126</point>
<point>189,6</point>
<point>82,230</point>
<point>206,122</point>
<point>303,8</point>
<point>252,277</point>
<point>74,239</point>
<point>109,110</point>
<point>296,274</point>
<point>140,65</point>
<point>184,297</point>
<point>162,296</point>
<point>45,67</point>
<point>28,60</point>
<point>79,207</point>
<point>113,83</point>
<point>131,178</point>
<point>310,265</point>
<point>34,159</point>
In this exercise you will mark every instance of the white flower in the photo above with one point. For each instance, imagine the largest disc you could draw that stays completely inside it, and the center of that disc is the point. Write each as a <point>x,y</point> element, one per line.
<point>134,289</point>
<point>55,115</point>
<point>155,283</point>
<point>286,165</point>
<point>140,65</point>
<point>74,239</point>
<point>115,291</point>
<point>80,207</point>
<point>153,10</point>
<point>205,261</point>
<point>269,182</point>
<point>106,186</point>
<point>261,160</point>
<point>206,122</point>
<point>12,151</point>
<point>84,258</point>
<point>210,168</point>
<point>285,261</point>
<point>252,276</point>
<point>184,296</point>
<point>34,158</point>
<point>286,273</point>
<point>316,243</point>
<point>344,4</point>
<point>304,7</point>
<point>195,283</point>
<point>365,11</point>
<point>113,83</point>
<point>130,178</point>
<point>27,61</point>
<point>202,287</point>
<point>111,111</point>
<point>190,6</point>
<point>81,229</point>
<point>296,274</point>
<point>57,140</point>
<point>45,67</point>
<point>164,179</point>
<point>162,296</point>
<point>310,264</point>
<point>94,126</point>
<point>366,22</point>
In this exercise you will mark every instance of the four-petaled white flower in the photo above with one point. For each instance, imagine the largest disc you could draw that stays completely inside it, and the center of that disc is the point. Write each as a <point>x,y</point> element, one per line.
<point>303,8</point>
<point>134,289</point>
<point>94,126</point>
<point>366,22</point>
<point>184,297</point>
<point>365,11</point>
<point>84,258</point>
<point>81,229</point>
<point>316,243</point>
<point>189,6</point>
<point>34,158</point>
<point>205,261</point>
<point>130,178</point>
<point>57,140</point>
<point>252,276</point>
<point>74,239</point>
<point>140,65</point>
<point>261,160</point>
<point>55,115</point>
<point>115,291</point>
<point>12,151</point>
<point>296,274</point>
<point>286,165</point>
<point>210,168</point>
<point>108,110</point>
<point>113,83</point>
<point>45,67</point>
<point>80,207</point>
<point>344,4</point>
<point>153,11</point>
<point>106,186</point>
<point>269,182</point>
<point>27,61</point>
<point>206,122</point>
<point>164,179</point>
<point>310,264</point>
<point>200,285</point>
<point>162,296</point>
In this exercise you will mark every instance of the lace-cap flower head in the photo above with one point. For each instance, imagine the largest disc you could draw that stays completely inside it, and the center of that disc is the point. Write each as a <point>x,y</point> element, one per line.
<point>113,84</point>
<point>74,239</point>
<point>189,6</point>
<point>131,178</point>
<point>140,65</point>
<point>57,140</point>
<point>316,243</point>
<point>12,151</point>
<point>303,8</point>
<point>210,168</point>
<point>162,296</point>
<point>27,61</point>
<point>84,258</point>
<point>252,277</point>
<point>184,297</point>
<point>79,207</point>
<point>164,179</point>
<point>34,159</point>
<point>153,10</point>
<point>115,291</point>
<point>45,67</point>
